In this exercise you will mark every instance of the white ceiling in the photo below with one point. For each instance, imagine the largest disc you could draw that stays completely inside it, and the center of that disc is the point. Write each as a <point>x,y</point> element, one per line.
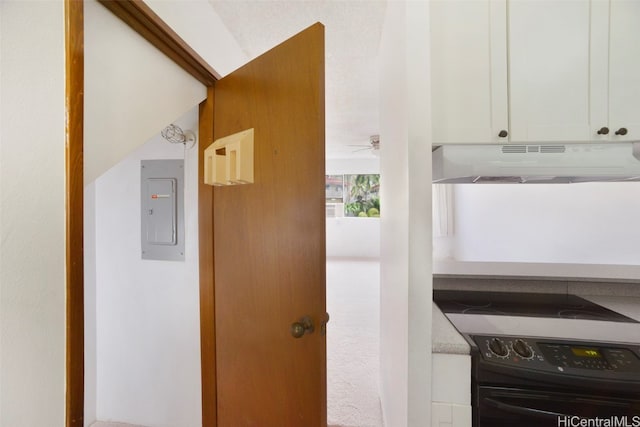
<point>352,39</point>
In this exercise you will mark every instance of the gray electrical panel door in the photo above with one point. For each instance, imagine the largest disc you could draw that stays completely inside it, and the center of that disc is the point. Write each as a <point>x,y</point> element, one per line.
<point>162,204</point>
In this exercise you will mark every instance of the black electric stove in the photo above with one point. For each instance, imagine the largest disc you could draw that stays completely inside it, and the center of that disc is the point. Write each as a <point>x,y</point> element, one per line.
<point>546,359</point>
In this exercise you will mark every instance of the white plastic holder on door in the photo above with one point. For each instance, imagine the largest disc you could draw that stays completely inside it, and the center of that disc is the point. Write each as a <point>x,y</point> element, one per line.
<point>229,160</point>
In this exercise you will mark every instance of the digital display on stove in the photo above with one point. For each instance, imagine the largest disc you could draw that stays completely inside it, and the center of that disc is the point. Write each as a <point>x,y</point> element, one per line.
<point>586,352</point>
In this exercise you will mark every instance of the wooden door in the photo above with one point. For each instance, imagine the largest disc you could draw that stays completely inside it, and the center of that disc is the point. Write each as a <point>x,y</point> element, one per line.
<point>469,71</point>
<point>269,242</point>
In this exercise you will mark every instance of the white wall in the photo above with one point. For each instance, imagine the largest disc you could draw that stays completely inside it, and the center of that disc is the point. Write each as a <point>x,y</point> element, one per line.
<point>198,24</point>
<point>420,221</point>
<point>350,166</point>
<point>90,331</point>
<point>584,231</point>
<point>349,237</point>
<point>405,293</point>
<point>148,333</point>
<point>32,275</point>
<point>592,223</point>
<point>131,90</point>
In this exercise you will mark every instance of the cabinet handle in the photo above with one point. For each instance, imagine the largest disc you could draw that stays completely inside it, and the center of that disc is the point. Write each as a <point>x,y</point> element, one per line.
<point>621,131</point>
<point>503,133</point>
<point>603,131</point>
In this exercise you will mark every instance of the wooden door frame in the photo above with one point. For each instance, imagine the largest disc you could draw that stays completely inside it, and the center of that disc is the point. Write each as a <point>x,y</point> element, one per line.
<point>149,25</point>
<point>74,207</point>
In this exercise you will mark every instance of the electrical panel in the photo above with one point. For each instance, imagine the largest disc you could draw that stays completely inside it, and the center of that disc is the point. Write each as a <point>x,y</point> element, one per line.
<point>162,208</point>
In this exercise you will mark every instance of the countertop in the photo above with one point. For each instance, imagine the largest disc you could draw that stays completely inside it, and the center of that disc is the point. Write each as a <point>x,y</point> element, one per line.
<point>445,337</point>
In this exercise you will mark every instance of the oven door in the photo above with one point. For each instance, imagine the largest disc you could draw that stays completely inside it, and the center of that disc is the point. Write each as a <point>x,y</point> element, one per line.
<point>501,406</point>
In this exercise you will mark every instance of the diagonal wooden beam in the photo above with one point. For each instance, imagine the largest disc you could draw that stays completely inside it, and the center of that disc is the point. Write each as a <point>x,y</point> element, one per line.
<point>142,19</point>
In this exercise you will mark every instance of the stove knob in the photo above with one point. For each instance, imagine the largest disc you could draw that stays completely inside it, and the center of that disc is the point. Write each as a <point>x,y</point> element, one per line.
<point>498,348</point>
<point>522,348</point>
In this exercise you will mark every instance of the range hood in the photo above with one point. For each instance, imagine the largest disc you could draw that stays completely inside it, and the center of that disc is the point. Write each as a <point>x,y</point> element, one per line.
<point>536,163</point>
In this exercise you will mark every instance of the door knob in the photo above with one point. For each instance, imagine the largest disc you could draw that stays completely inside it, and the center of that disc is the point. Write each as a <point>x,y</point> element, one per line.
<point>621,131</point>
<point>323,325</point>
<point>603,131</point>
<point>301,327</point>
<point>503,133</point>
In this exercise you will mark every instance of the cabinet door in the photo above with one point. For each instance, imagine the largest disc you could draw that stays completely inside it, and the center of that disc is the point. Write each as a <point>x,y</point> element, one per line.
<point>624,69</point>
<point>468,70</point>
<point>599,68</point>
<point>549,47</point>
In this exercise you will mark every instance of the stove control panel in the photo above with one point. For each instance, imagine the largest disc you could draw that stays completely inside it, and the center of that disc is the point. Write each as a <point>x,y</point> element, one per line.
<point>591,357</point>
<point>510,350</point>
<point>559,355</point>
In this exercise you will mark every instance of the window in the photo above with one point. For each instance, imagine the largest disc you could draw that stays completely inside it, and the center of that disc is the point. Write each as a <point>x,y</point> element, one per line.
<point>353,195</point>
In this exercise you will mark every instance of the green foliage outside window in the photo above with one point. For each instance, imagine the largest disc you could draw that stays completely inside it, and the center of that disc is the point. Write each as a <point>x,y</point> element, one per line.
<point>362,195</point>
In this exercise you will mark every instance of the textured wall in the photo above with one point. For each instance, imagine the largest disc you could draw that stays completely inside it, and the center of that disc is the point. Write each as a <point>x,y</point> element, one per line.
<point>32,276</point>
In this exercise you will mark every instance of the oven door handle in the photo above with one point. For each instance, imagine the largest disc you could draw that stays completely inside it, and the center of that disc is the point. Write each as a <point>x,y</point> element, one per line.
<point>523,410</point>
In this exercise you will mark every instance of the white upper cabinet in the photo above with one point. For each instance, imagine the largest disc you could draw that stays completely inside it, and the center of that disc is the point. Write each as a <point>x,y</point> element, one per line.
<point>541,70</point>
<point>624,70</point>
<point>469,71</point>
<point>549,70</point>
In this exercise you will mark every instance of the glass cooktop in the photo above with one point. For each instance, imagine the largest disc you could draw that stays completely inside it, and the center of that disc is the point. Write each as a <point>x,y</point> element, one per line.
<point>561,306</point>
